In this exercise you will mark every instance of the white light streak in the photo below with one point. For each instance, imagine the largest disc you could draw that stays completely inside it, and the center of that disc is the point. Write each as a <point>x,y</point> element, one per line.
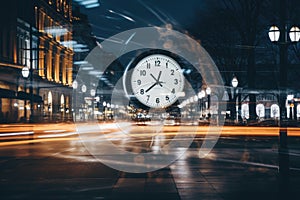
<point>54,131</point>
<point>16,133</point>
<point>122,15</point>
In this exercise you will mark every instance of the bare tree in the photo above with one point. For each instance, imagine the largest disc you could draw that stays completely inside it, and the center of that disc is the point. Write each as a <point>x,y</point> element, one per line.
<point>231,35</point>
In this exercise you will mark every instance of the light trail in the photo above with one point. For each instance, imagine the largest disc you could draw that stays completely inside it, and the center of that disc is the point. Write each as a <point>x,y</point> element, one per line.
<point>16,134</point>
<point>57,135</point>
<point>121,131</point>
<point>122,15</point>
<point>54,131</point>
<point>22,142</point>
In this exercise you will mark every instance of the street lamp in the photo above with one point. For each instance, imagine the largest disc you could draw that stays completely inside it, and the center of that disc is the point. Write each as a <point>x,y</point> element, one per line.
<point>75,86</point>
<point>201,95</point>
<point>28,72</point>
<point>104,110</point>
<point>281,39</point>
<point>25,72</point>
<point>25,75</point>
<point>275,33</point>
<point>208,92</point>
<point>294,34</point>
<point>83,106</point>
<point>234,83</point>
<point>83,88</point>
<point>93,93</point>
<point>279,36</point>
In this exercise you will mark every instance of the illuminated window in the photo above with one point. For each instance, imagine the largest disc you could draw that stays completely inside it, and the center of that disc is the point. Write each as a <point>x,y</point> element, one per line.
<point>245,111</point>
<point>275,111</point>
<point>260,110</point>
<point>66,8</point>
<point>59,5</point>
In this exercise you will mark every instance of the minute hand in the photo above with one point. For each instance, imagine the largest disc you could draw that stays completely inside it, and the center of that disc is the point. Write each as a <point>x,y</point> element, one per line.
<point>151,87</point>
<point>157,80</point>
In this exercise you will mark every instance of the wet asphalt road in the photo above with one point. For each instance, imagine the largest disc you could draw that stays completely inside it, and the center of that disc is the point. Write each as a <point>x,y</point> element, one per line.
<point>238,167</point>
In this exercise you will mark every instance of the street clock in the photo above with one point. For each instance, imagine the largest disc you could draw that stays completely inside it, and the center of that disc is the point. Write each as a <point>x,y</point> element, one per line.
<point>156,80</point>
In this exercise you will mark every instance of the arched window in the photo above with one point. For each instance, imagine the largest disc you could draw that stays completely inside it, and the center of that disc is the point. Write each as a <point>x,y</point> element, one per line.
<point>260,110</point>
<point>50,101</point>
<point>298,110</point>
<point>275,111</point>
<point>245,111</point>
<point>62,103</point>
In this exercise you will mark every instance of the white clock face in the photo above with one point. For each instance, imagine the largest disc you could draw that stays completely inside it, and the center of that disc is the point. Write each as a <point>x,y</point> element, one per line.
<point>156,81</point>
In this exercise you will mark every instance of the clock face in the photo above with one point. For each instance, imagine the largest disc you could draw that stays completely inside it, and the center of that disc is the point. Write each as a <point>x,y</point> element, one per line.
<point>156,81</point>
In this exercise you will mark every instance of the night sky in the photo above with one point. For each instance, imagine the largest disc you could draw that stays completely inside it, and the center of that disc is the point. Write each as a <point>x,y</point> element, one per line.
<point>114,16</point>
<point>223,27</point>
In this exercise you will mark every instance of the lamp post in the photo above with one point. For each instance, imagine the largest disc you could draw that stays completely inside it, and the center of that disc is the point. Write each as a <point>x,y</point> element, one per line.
<point>279,35</point>
<point>28,72</point>
<point>104,110</point>
<point>25,75</point>
<point>83,90</point>
<point>93,93</point>
<point>234,83</point>
<point>201,95</point>
<point>208,92</point>
<point>75,86</point>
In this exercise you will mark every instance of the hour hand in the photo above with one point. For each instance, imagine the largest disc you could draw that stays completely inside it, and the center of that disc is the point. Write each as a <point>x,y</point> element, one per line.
<point>157,80</point>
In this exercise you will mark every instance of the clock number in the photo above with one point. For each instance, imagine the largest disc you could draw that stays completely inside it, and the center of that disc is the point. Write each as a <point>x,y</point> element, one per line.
<point>157,100</point>
<point>157,63</point>
<point>148,97</point>
<point>143,73</point>
<point>167,65</point>
<point>167,98</point>
<point>139,82</point>
<point>142,91</point>
<point>172,71</point>
<point>176,81</point>
<point>173,91</point>
<point>148,65</point>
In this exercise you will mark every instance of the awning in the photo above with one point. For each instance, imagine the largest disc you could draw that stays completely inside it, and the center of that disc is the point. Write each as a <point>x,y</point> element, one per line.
<point>27,96</point>
<point>5,93</point>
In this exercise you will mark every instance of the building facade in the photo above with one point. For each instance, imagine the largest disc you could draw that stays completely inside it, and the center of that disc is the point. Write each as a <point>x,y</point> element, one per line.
<point>36,35</point>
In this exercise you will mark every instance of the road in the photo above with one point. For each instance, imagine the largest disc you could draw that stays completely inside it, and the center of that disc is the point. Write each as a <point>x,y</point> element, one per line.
<point>56,163</point>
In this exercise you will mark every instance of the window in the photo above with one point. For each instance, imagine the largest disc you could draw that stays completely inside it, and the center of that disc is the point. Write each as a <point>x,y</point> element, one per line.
<point>260,110</point>
<point>275,111</point>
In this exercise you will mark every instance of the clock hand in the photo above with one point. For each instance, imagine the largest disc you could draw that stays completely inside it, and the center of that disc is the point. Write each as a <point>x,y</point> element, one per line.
<point>153,77</point>
<point>158,76</point>
<point>151,87</point>
<point>157,80</point>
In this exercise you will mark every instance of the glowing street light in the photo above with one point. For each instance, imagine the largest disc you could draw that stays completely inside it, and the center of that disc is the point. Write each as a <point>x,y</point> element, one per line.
<point>25,72</point>
<point>274,34</point>
<point>208,92</point>
<point>234,82</point>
